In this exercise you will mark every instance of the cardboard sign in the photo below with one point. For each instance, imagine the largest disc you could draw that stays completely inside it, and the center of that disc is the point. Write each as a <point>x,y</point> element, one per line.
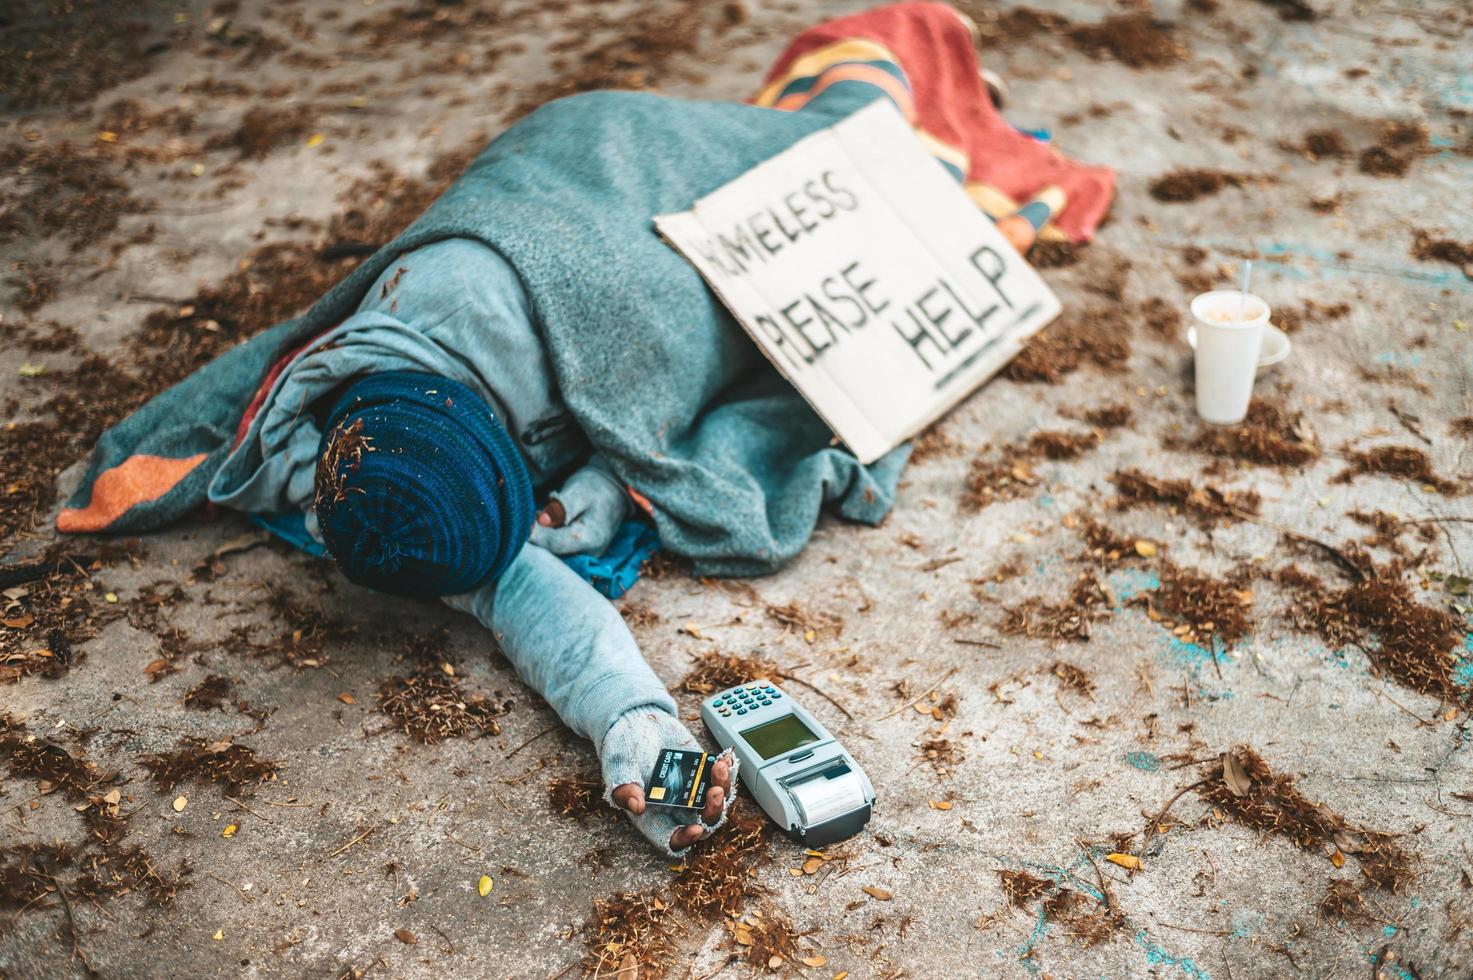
<point>867,276</point>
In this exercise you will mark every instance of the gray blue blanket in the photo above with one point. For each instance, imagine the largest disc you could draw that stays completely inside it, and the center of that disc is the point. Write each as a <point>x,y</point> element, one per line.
<point>668,388</point>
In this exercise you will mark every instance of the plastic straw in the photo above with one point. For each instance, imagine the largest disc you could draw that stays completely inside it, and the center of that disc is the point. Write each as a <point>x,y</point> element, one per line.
<point>1243,285</point>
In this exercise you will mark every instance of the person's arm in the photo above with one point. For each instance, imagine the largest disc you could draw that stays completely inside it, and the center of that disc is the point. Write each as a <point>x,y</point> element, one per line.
<point>585,513</point>
<point>571,645</point>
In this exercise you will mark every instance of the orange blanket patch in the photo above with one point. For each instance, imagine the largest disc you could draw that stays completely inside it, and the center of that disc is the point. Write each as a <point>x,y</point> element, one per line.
<point>136,480</point>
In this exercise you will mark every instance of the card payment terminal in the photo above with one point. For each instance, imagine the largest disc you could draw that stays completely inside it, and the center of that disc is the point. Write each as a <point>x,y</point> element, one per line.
<point>798,773</point>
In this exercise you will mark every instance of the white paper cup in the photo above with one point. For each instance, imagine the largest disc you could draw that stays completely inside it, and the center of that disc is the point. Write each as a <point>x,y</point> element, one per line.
<point>1227,353</point>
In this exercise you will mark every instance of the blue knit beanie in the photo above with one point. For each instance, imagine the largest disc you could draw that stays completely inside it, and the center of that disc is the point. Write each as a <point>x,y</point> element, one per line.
<point>420,489</point>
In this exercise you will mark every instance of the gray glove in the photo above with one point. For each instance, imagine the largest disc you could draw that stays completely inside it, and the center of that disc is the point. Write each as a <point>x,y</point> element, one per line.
<point>594,506</point>
<point>628,753</point>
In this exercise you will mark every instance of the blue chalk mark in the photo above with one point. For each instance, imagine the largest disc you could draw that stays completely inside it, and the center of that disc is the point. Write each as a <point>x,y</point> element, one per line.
<point>1156,955</point>
<point>1399,358</point>
<point>1245,924</point>
<point>1193,655</point>
<point>1144,761</point>
<point>1045,501</point>
<point>1131,582</point>
<point>1388,931</point>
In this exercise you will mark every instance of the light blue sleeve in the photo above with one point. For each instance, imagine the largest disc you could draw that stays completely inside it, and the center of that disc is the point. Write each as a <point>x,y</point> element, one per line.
<point>567,642</point>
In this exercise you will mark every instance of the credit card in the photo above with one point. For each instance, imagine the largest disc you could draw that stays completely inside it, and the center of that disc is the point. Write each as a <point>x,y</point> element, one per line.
<point>680,781</point>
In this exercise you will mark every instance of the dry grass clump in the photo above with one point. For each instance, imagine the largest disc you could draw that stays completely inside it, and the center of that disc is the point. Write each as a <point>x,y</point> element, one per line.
<point>1061,445</point>
<point>1068,620</point>
<point>1137,40</point>
<point>1190,183</point>
<point>237,767</point>
<point>768,939</point>
<point>575,796</point>
<point>638,930</point>
<point>1009,473</point>
<point>429,705</point>
<point>1020,887</point>
<point>1430,249</point>
<point>1096,336</point>
<point>1088,920</point>
<point>936,442</point>
<point>1206,503</point>
<point>1402,462</point>
<point>1074,678</point>
<point>715,671</point>
<point>1414,644</point>
<point>632,934</point>
<point>1109,416</point>
<point>990,481</point>
<point>115,872</point>
<point>49,764</point>
<point>717,878</point>
<point>1105,546</point>
<point>1269,436</point>
<point>809,624</point>
<point>1050,254</point>
<point>1252,794</point>
<point>941,754</point>
<point>209,694</point>
<point>1198,608</point>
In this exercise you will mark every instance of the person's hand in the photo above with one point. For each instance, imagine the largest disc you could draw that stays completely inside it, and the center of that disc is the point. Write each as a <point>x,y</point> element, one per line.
<point>584,516</point>
<point>628,753</point>
<point>630,797</point>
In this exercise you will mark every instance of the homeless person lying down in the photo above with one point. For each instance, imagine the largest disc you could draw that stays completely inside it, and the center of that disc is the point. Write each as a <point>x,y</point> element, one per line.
<point>530,338</point>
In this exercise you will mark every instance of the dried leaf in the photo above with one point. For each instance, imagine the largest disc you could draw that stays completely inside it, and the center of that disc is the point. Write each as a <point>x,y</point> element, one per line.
<point>877,893</point>
<point>940,805</point>
<point>1128,861</point>
<point>20,622</point>
<point>485,885</point>
<point>230,830</point>
<point>180,802</point>
<point>347,698</point>
<point>1234,776</point>
<point>815,960</point>
<point>1146,549</point>
<point>406,937</point>
<point>1337,859</point>
<point>812,865</point>
<point>219,935</point>
<point>774,962</point>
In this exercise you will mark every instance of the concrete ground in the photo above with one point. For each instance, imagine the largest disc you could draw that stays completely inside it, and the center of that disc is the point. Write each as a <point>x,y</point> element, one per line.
<point>365,832</point>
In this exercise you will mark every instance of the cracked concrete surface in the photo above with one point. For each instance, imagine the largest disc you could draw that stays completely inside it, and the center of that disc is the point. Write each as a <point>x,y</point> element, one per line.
<point>1046,770</point>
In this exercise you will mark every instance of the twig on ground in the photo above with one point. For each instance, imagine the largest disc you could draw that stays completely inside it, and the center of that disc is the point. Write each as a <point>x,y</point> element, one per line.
<point>355,840</point>
<point>545,731</point>
<point>1100,875</point>
<point>231,884</point>
<point>1151,829</point>
<point>816,690</point>
<point>939,681</point>
<point>71,921</point>
<point>247,809</point>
